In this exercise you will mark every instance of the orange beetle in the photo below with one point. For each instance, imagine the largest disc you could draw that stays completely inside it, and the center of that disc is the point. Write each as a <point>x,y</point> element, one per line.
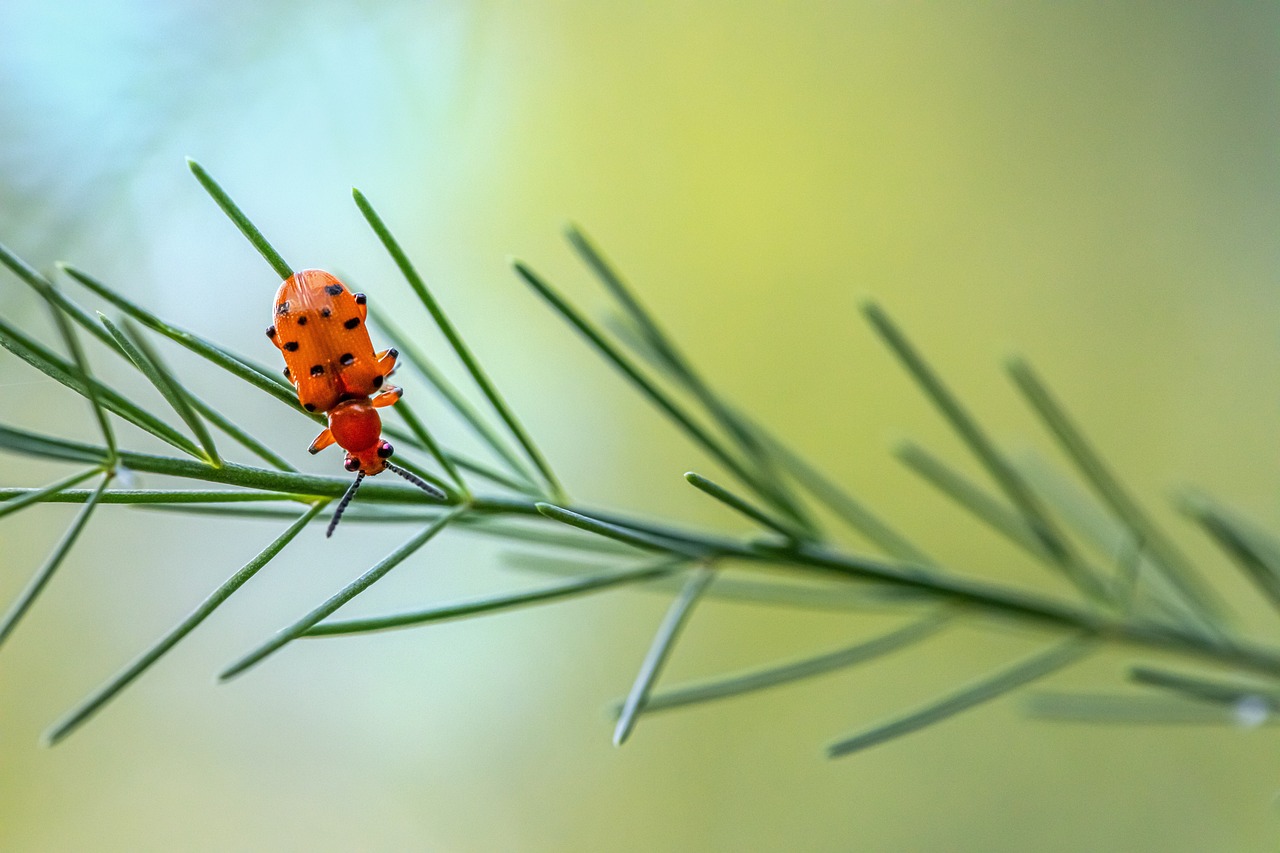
<point>320,329</point>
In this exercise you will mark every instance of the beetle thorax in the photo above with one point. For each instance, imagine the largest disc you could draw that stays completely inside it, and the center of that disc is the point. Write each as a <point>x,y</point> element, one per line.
<point>355,425</point>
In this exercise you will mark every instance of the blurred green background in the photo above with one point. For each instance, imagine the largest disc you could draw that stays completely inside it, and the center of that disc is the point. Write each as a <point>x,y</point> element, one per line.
<point>1093,184</point>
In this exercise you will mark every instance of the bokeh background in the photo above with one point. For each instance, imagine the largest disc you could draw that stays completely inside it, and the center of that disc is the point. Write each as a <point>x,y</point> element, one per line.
<point>1092,184</point>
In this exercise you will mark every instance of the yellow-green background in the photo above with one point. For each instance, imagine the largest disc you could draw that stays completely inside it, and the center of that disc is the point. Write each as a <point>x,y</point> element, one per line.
<point>1093,184</point>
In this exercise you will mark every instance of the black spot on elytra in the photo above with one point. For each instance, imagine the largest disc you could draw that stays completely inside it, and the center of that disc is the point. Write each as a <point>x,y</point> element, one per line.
<point>271,331</point>
<point>377,381</point>
<point>361,299</point>
<point>310,407</point>
<point>346,359</point>
<point>291,346</point>
<point>283,307</point>
<point>333,289</point>
<point>317,370</point>
<point>302,319</point>
<point>352,323</point>
<point>325,312</point>
<point>288,374</point>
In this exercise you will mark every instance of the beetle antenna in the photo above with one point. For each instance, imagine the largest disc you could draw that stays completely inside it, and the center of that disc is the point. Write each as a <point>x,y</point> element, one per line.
<point>419,482</point>
<point>342,504</point>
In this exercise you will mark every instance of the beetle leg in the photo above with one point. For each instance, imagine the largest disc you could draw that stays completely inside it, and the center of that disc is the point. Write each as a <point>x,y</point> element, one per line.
<point>389,396</point>
<point>387,360</point>
<point>323,440</point>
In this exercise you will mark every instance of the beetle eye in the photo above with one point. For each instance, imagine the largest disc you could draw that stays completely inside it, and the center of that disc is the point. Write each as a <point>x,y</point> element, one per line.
<point>385,449</point>
<point>352,464</point>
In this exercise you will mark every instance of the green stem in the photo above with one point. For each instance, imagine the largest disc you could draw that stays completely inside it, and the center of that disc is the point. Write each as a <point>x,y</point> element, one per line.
<point>20,497</point>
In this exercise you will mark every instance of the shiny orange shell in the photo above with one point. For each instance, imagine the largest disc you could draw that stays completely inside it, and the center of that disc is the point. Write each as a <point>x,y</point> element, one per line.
<point>320,329</point>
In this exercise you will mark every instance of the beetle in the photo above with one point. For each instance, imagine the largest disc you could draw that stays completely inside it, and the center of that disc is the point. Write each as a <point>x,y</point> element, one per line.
<point>319,328</point>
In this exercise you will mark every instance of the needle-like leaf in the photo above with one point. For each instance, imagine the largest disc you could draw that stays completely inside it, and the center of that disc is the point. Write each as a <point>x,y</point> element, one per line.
<point>455,340</point>
<point>359,585</point>
<point>1213,690</point>
<point>41,285</point>
<point>809,667</point>
<point>993,687</point>
<point>616,532</point>
<point>256,375</point>
<point>663,530</point>
<point>149,363</point>
<point>847,508</point>
<point>94,703</point>
<point>16,499</point>
<point>985,450</point>
<point>980,503</point>
<point>489,526</point>
<point>641,382</point>
<point>418,428</point>
<point>44,360</point>
<point>56,304</point>
<point>506,601</point>
<point>89,323</point>
<point>1168,557</point>
<point>667,352</point>
<point>30,444</point>
<point>28,596</point>
<point>1099,528</point>
<point>240,436</point>
<point>1117,709</point>
<point>236,215</point>
<point>663,642</point>
<point>1259,563</point>
<point>452,396</point>
<point>351,516</point>
<point>740,505</point>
